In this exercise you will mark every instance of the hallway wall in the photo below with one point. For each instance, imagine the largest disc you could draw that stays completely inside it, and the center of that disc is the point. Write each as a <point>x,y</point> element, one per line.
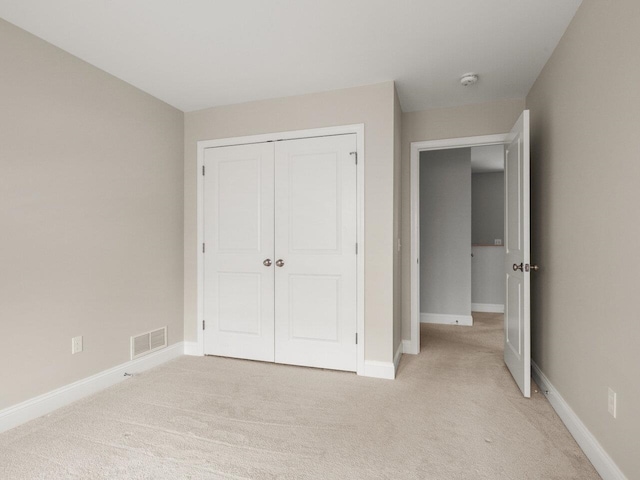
<point>445,232</point>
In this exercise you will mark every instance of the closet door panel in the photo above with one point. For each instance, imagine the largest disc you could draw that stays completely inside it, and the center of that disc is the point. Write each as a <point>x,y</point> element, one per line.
<point>239,239</point>
<point>315,241</point>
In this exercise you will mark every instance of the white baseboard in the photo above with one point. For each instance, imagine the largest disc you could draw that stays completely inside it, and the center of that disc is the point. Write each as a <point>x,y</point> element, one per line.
<point>48,402</point>
<point>487,307</point>
<point>192,348</point>
<point>407,347</point>
<point>376,369</point>
<point>600,459</point>
<point>446,319</point>
<point>396,359</point>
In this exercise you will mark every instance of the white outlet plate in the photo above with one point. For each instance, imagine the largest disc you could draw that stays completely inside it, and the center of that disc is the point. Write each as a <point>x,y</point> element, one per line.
<point>497,241</point>
<point>613,403</point>
<point>76,344</point>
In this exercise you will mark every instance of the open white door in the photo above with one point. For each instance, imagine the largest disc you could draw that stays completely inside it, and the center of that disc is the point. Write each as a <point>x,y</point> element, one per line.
<point>517,315</point>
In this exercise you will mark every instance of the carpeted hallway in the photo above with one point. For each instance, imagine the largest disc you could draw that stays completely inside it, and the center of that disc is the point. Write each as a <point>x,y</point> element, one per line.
<point>453,413</point>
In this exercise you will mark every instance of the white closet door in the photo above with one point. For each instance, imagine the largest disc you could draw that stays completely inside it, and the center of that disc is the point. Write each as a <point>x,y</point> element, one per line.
<point>238,231</point>
<point>315,236</point>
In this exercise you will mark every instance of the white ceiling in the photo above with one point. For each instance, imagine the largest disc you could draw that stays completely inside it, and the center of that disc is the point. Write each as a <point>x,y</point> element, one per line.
<point>487,159</point>
<point>201,53</point>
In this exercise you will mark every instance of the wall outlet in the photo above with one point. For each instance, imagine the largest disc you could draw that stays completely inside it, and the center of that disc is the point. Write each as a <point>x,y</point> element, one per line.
<point>76,344</point>
<point>613,403</point>
<point>497,241</point>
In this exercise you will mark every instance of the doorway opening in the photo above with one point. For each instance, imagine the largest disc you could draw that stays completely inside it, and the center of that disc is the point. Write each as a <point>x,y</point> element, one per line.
<point>461,233</point>
<point>417,150</point>
<point>516,269</point>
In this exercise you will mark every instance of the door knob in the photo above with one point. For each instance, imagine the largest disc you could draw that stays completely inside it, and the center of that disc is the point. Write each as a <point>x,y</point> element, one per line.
<point>535,268</point>
<point>280,263</point>
<point>517,267</point>
<point>267,262</point>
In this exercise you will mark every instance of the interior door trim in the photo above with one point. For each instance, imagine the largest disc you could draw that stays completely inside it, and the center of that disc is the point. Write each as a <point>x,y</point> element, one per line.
<point>197,348</point>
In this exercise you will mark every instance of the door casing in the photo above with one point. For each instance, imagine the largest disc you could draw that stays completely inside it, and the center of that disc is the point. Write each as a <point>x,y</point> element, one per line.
<point>358,130</point>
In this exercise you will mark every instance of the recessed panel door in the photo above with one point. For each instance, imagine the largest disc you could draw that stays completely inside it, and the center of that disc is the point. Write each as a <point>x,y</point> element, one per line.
<point>517,336</point>
<point>315,240</point>
<point>238,232</point>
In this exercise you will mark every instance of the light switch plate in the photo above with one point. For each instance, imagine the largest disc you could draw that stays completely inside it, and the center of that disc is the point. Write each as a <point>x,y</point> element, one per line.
<point>76,344</point>
<point>612,404</point>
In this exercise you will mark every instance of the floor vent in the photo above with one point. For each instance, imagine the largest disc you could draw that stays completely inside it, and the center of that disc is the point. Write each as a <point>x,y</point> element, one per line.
<point>148,342</point>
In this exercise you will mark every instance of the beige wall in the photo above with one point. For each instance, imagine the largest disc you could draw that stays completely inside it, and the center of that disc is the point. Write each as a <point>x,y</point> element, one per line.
<point>467,121</point>
<point>585,111</point>
<point>91,215</point>
<point>397,214</point>
<point>371,105</point>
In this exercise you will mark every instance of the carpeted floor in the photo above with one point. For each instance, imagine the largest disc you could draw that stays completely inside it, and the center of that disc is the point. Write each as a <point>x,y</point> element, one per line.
<point>453,413</point>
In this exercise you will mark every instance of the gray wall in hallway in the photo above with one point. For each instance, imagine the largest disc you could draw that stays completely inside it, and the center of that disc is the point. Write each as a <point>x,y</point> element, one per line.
<point>445,232</point>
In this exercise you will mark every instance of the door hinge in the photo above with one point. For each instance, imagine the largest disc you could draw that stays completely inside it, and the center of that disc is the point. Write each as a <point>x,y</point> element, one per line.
<point>202,324</point>
<point>203,248</point>
<point>356,248</point>
<point>356,338</point>
<point>355,154</point>
<point>202,169</point>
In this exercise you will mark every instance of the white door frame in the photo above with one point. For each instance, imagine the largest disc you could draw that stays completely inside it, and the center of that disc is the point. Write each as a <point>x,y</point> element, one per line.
<point>358,130</point>
<point>416,148</point>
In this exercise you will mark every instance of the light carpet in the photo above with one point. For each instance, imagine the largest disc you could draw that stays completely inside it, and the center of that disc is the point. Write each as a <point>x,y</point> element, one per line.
<point>453,412</point>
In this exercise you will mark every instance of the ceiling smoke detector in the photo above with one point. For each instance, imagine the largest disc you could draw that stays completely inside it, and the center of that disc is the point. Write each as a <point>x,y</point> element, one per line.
<point>468,79</point>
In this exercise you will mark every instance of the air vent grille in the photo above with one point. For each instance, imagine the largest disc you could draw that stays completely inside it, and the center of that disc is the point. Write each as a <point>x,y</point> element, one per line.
<point>158,339</point>
<point>148,342</point>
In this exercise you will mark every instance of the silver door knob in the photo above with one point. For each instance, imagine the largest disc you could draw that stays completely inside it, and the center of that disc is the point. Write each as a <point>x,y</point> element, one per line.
<point>280,263</point>
<point>517,267</point>
<point>267,262</point>
<point>535,268</point>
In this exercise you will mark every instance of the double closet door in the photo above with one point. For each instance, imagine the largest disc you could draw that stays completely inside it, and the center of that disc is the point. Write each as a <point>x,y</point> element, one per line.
<point>280,228</point>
